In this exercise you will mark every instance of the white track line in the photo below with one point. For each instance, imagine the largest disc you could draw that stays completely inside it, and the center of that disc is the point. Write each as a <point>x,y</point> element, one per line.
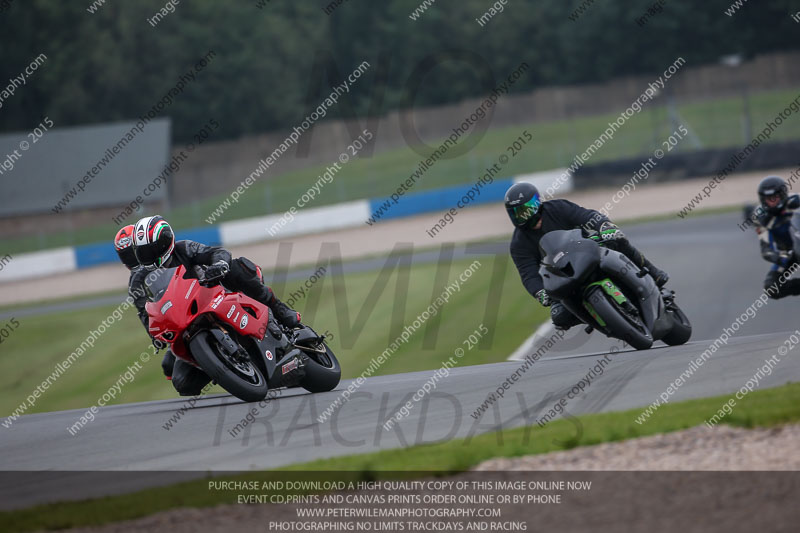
<point>546,330</point>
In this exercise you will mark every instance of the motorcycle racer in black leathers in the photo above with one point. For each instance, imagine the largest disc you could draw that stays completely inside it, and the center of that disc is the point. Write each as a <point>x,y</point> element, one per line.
<point>533,218</point>
<point>773,226</point>
<point>123,244</point>
<point>155,247</point>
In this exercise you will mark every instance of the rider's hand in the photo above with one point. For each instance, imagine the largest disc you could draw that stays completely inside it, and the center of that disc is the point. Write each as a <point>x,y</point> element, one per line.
<point>607,236</point>
<point>544,298</point>
<point>608,232</point>
<point>216,271</point>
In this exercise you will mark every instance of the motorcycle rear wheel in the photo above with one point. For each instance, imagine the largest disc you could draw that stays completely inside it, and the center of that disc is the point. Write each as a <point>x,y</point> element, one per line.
<point>242,379</point>
<point>681,330</point>
<point>619,323</point>
<point>323,372</point>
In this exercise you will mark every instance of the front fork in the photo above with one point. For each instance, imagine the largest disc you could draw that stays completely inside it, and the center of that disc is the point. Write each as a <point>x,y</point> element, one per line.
<point>610,288</point>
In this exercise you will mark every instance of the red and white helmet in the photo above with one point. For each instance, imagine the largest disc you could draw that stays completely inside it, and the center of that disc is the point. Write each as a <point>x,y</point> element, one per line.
<point>153,242</point>
<point>123,244</point>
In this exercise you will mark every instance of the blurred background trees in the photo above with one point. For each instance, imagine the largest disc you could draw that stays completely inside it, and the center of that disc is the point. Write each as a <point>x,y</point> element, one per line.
<point>112,65</point>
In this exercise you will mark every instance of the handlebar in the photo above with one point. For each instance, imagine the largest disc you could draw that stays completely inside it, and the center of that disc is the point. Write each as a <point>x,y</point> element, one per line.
<point>203,279</point>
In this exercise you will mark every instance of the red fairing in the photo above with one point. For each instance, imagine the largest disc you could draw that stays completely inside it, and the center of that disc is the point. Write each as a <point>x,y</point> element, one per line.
<point>185,300</point>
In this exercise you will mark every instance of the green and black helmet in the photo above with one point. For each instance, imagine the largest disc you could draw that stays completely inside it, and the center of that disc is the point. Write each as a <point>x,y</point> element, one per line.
<point>523,204</point>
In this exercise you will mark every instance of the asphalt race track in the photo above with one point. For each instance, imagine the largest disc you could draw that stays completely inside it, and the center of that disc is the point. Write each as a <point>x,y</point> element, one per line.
<point>715,269</point>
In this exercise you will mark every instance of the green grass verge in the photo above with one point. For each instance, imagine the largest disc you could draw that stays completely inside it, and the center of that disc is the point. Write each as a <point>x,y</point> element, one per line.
<point>762,408</point>
<point>365,312</point>
<point>11,308</point>
<point>714,123</point>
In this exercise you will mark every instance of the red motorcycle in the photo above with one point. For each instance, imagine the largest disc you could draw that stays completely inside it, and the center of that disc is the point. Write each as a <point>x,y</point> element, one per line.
<point>234,339</point>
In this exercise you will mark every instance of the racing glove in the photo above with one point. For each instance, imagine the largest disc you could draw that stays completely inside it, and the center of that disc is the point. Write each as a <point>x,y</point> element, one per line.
<point>216,271</point>
<point>544,298</point>
<point>770,255</point>
<point>608,232</point>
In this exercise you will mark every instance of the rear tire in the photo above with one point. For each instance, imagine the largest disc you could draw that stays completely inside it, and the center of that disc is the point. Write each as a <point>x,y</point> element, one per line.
<point>323,372</point>
<point>681,330</point>
<point>245,381</point>
<point>620,325</point>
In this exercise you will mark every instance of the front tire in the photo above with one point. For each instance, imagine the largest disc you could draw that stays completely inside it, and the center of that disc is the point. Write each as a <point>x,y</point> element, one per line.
<point>619,323</point>
<point>241,378</point>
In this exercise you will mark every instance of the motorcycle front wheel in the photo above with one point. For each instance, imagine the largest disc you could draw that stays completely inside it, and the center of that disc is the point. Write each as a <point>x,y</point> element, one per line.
<point>620,323</point>
<point>239,376</point>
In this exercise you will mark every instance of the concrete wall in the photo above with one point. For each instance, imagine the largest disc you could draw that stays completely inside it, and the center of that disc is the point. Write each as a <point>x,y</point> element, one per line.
<point>49,167</point>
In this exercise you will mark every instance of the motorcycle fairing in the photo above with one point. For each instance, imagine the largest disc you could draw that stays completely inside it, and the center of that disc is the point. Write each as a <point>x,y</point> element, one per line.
<point>642,287</point>
<point>178,307</point>
<point>568,259</point>
<point>611,289</point>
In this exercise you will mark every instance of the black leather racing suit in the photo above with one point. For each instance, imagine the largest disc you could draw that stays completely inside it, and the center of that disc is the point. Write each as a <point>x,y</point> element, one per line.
<point>562,215</point>
<point>244,276</point>
<point>774,236</point>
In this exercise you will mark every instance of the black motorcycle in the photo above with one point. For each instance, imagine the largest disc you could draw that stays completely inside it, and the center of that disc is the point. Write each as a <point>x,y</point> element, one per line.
<point>608,292</point>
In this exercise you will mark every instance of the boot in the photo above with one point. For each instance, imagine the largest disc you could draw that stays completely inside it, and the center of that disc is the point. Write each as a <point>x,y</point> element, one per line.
<point>659,276</point>
<point>790,287</point>
<point>283,313</point>
<point>625,247</point>
<point>273,328</point>
<point>562,318</point>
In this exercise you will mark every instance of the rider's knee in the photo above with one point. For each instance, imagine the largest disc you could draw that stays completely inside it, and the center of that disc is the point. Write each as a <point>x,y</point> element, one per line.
<point>245,276</point>
<point>168,363</point>
<point>246,268</point>
<point>184,387</point>
<point>561,316</point>
<point>189,381</point>
<point>772,287</point>
<point>776,294</point>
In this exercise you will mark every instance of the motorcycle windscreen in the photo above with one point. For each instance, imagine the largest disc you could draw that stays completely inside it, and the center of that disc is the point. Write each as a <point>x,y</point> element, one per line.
<point>157,282</point>
<point>568,260</point>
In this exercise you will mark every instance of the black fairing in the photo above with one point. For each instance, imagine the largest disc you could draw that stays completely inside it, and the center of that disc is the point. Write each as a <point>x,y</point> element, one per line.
<point>282,352</point>
<point>568,260</point>
<point>269,354</point>
<point>306,336</point>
